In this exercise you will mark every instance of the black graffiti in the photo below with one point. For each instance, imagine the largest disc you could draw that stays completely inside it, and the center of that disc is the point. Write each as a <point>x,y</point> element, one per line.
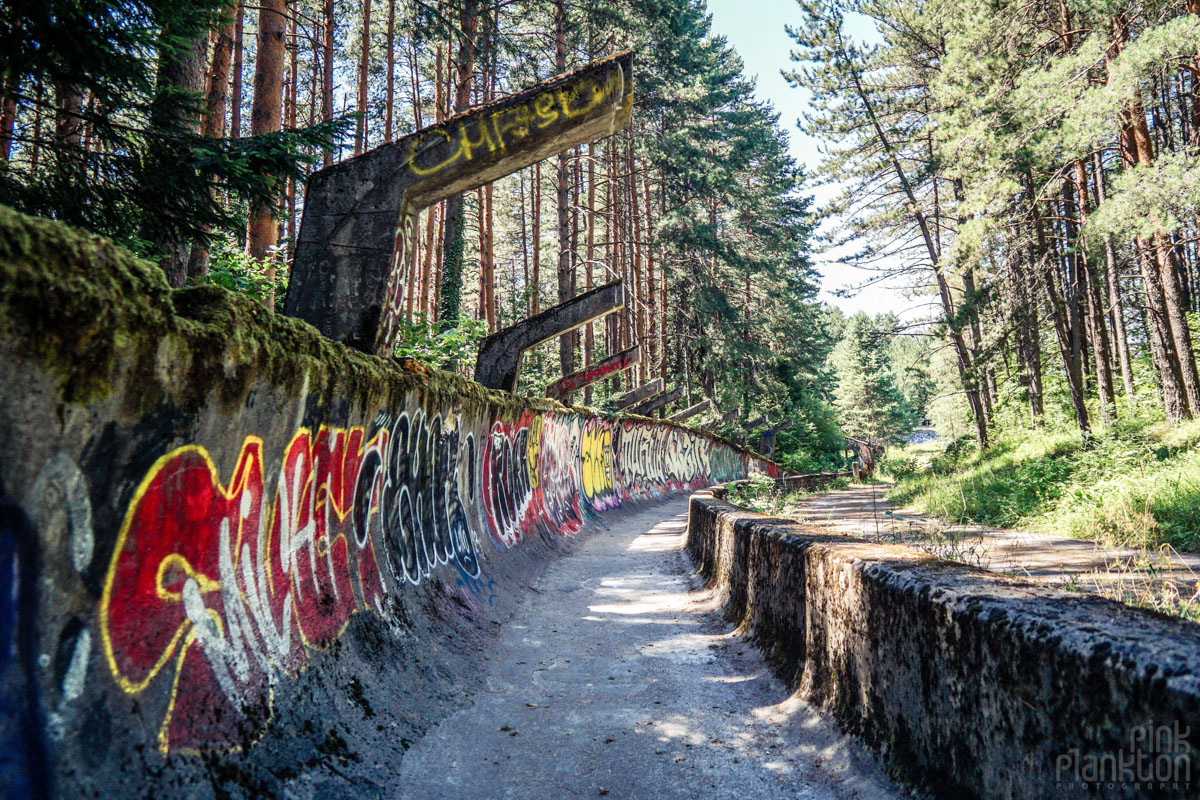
<point>507,483</point>
<point>422,517</point>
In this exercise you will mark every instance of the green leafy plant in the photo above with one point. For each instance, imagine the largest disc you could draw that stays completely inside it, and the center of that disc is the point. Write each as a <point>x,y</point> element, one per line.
<point>759,492</point>
<point>450,348</point>
<point>230,267</point>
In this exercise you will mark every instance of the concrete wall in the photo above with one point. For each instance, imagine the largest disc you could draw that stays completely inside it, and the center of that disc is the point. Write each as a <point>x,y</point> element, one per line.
<point>246,561</point>
<point>968,684</point>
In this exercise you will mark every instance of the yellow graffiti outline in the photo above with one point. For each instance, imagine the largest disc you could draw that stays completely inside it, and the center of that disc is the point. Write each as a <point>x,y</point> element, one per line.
<point>423,171</point>
<point>128,686</point>
<point>466,145</point>
<point>545,111</point>
<point>205,583</point>
<point>533,449</point>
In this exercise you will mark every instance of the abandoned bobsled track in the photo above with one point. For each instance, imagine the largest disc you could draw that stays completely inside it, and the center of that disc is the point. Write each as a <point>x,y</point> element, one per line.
<point>247,561</point>
<point>243,560</point>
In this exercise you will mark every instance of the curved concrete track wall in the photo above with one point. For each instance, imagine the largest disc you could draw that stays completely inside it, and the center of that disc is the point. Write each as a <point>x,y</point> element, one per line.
<point>968,684</point>
<point>247,561</point>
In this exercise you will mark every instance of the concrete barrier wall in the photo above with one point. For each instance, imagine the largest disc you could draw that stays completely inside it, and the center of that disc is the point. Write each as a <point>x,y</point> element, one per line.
<point>968,684</point>
<point>246,561</point>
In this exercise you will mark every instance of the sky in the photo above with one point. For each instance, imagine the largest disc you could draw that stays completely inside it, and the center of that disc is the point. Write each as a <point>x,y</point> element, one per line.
<point>755,28</point>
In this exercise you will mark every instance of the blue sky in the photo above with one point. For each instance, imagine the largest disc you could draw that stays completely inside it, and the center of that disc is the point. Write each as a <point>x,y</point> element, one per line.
<point>755,28</point>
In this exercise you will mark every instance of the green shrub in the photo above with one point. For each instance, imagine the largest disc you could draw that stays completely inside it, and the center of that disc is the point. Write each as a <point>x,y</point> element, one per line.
<point>899,468</point>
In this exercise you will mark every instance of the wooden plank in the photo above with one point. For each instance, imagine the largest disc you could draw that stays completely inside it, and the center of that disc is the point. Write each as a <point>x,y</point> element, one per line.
<point>727,417</point>
<point>691,411</point>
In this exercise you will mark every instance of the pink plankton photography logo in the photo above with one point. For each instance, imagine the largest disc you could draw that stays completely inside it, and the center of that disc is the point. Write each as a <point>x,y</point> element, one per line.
<point>1156,757</point>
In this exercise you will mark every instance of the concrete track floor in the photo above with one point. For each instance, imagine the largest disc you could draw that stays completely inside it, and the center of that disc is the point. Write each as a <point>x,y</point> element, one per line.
<point>618,678</point>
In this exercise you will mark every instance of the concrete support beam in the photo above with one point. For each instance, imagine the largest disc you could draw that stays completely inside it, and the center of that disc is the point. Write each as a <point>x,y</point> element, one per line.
<point>658,401</point>
<point>360,215</point>
<point>691,411</point>
<point>754,423</point>
<point>500,354</point>
<point>563,389</point>
<point>639,394</point>
<point>727,417</point>
<point>766,443</point>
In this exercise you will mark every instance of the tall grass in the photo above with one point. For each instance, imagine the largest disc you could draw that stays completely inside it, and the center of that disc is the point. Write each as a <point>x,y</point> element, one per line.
<point>1137,485</point>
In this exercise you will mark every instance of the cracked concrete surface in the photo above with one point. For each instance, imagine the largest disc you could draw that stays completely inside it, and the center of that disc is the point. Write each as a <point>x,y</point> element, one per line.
<point>619,678</point>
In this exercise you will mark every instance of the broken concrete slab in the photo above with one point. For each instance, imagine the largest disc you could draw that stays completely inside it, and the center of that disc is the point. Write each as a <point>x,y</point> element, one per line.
<point>500,354</point>
<point>639,394</point>
<point>658,401</point>
<point>360,214</point>
<point>562,390</point>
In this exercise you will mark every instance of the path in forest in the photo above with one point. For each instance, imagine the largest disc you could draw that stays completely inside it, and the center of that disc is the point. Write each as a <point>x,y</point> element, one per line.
<point>1055,560</point>
<point>618,677</point>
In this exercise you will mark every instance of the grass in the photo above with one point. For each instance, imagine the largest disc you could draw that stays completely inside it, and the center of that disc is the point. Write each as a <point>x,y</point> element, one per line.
<point>762,494</point>
<point>1137,485</point>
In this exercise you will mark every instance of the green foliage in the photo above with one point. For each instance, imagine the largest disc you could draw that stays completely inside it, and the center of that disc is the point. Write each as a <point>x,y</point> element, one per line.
<point>900,469</point>
<point>231,268</point>
<point>759,492</point>
<point>869,404</point>
<point>440,346</point>
<point>145,178</point>
<point>1137,484</point>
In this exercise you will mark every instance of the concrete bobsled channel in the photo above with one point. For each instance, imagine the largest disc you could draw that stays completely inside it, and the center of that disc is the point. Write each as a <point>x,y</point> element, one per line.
<point>242,560</point>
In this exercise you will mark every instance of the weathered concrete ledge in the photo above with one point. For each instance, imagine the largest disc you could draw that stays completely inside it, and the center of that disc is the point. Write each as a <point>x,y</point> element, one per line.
<point>968,684</point>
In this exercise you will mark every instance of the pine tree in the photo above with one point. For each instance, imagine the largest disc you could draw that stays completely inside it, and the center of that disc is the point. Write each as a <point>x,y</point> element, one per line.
<point>869,404</point>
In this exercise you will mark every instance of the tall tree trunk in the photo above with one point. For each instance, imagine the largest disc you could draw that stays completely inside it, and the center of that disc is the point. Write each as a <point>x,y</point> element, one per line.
<point>328,23</point>
<point>68,121</point>
<point>364,72</point>
<point>453,243</point>
<point>1100,345</point>
<point>1059,313</point>
<point>8,116</point>
<point>651,355</point>
<point>180,71</point>
<point>971,302</point>
<point>635,213</point>
<point>235,89</point>
<point>1028,335</point>
<point>1116,311</point>
<point>566,349</point>
<point>535,286</point>
<point>215,106</point>
<point>262,232</point>
<point>390,101</point>
<point>290,112</point>
<point>589,260</point>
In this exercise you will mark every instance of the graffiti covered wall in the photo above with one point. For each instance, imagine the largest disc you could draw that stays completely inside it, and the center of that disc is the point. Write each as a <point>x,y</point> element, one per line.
<point>235,543</point>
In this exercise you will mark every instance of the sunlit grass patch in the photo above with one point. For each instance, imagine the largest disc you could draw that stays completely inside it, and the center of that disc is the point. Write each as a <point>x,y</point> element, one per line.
<point>1137,485</point>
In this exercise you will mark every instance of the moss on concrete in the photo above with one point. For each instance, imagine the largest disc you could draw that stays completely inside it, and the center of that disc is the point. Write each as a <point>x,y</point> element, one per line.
<point>75,303</point>
<point>70,299</point>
